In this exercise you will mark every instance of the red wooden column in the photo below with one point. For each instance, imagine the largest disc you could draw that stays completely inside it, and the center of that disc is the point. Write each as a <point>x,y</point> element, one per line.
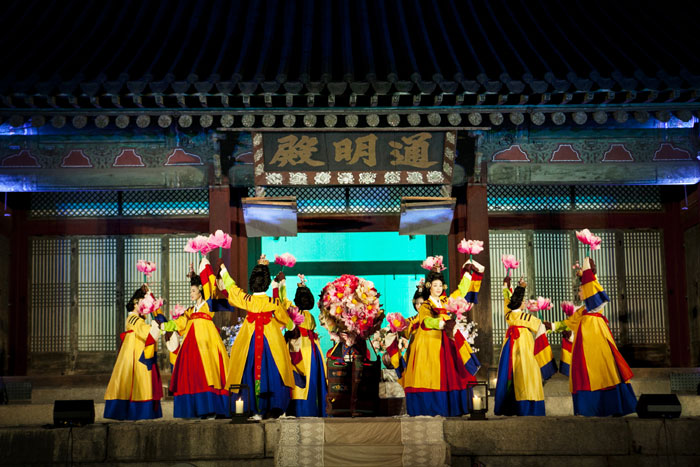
<point>674,252</point>
<point>478,229</point>
<point>238,265</point>
<point>220,218</point>
<point>19,291</point>
<point>471,221</point>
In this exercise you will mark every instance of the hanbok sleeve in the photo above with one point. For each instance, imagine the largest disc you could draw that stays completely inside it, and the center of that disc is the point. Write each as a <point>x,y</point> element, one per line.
<point>470,284</point>
<point>138,326</point>
<point>236,295</point>
<point>281,315</point>
<point>573,321</point>
<point>426,318</point>
<point>181,321</point>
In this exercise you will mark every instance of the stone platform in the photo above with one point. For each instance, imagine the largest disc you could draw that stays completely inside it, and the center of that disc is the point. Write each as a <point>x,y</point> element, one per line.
<point>400,441</point>
<point>559,438</point>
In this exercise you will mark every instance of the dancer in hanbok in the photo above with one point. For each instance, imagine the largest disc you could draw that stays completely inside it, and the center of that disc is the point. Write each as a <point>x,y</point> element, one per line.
<point>135,389</point>
<point>392,358</point>
<point>309,392</point>
<point>198,380</point>
<point>260,357</point>
<point>519,388</point>
<point>599,375</point>
<point>436,380</point>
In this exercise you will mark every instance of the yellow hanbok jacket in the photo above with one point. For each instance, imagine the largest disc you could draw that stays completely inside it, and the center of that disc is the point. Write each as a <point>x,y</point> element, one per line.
<point>266,312</point>
<point>423,370</point>
<point>131,379</point>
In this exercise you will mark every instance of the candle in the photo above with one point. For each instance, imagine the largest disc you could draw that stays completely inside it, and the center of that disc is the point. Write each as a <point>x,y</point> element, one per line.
<point>239,406</point>
<point>476,403</point>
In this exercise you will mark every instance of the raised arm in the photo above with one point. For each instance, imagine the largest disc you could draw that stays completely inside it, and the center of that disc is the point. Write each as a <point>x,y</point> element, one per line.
<point>236,295</point>
<point>470,284</point>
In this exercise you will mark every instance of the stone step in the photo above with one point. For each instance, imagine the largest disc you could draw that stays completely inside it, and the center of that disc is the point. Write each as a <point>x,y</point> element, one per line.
<point>411,441</point>
<point>42,414</point>
<point>558,385</point>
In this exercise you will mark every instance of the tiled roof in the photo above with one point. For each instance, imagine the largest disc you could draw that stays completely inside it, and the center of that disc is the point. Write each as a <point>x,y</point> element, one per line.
<point>365,53</point>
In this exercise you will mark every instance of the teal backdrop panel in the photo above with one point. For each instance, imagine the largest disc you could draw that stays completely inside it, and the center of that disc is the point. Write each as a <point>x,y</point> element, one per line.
<point>390,260</point>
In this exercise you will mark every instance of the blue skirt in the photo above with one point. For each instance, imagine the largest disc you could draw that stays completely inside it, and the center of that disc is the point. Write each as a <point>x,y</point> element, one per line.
<point>315,403</point>
<point>118,409</point>
<point>504,400</point>
<point>442,403</point>
<point>200,404</point>
<point>273,394</point>
<point>616,401</point>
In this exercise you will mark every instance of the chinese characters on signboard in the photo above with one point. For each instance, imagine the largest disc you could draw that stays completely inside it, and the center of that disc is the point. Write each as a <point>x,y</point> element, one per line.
<point>349,158</point>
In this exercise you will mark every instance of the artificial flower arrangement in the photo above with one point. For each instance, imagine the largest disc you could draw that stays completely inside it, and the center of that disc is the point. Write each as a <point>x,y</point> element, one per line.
<point>229,334</point>
<point>350,308</point>
<point>384,337</point>
<point>469,331</point>
<point>460,308</point>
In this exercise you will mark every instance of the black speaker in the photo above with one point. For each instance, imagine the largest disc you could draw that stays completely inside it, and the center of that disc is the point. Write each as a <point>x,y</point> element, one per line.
<point>73,412</point>
<point>658,406</point>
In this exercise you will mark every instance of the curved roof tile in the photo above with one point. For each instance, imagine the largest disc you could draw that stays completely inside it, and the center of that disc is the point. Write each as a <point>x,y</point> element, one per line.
<point>320,46</point>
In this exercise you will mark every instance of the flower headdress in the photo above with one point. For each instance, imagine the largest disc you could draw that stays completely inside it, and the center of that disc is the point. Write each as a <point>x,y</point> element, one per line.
<point>577,269</point>
<point>302,280</point>
<point>263,261</point>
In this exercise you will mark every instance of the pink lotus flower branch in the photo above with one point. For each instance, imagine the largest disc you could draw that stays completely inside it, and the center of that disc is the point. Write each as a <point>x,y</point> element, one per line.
<point>177,311</point>
<point>587,238</point>
<point>470,247</point>
<point>286,259</point>
<point>510,262</point>
<point>568,308</point>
